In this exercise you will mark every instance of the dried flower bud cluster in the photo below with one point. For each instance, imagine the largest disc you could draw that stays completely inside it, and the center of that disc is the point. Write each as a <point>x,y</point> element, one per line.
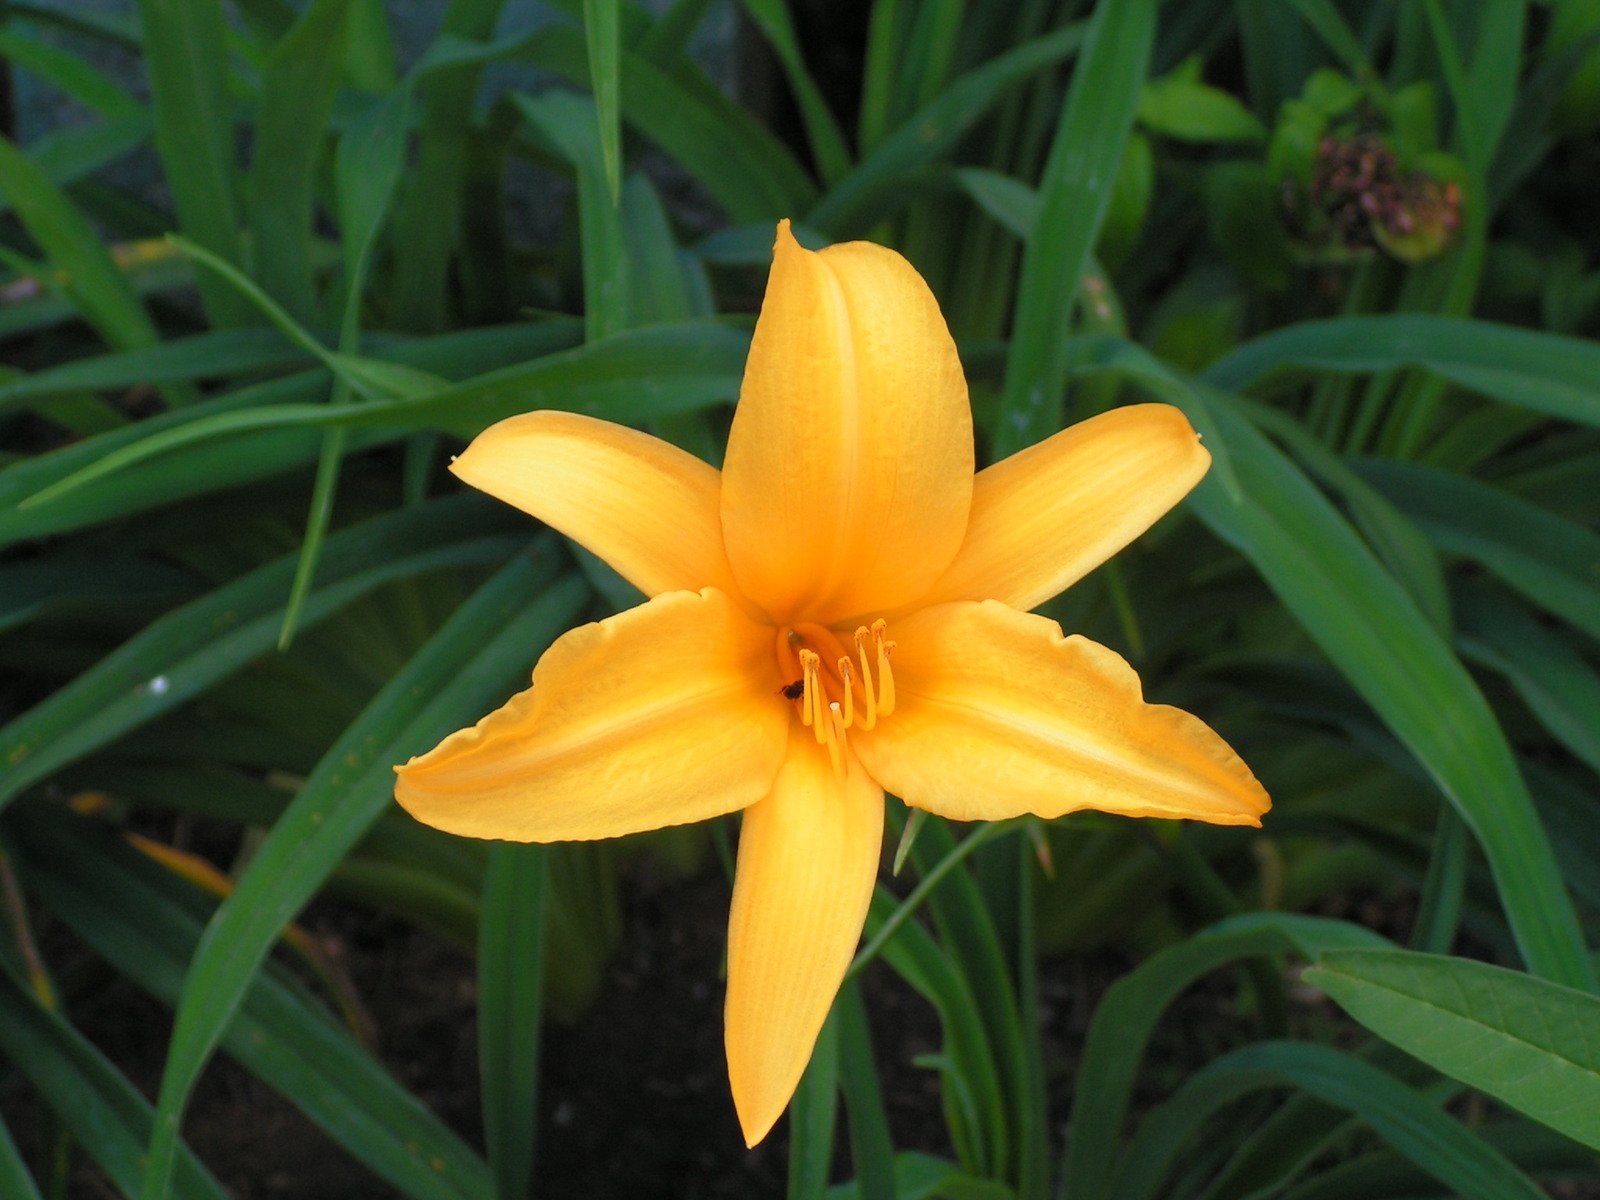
<point>1359,198</point>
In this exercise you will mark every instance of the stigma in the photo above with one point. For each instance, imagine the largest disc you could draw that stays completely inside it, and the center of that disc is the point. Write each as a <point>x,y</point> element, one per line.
<point>839,691</point>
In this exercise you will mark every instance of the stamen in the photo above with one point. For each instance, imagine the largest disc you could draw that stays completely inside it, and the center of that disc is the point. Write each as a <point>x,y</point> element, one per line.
<point>836,740</point>
<point>871,718</point>
<point>812,711</point>
<point>824,674</point>
<point>885,675</point>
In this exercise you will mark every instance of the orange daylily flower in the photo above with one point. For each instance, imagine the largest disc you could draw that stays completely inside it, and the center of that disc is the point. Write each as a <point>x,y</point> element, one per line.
<point>840,611</point>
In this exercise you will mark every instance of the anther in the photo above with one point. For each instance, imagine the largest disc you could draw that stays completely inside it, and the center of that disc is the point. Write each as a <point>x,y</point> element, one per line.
<point>849,701</point>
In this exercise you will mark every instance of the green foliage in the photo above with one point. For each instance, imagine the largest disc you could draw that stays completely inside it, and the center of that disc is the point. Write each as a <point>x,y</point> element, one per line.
<point>236,584</point>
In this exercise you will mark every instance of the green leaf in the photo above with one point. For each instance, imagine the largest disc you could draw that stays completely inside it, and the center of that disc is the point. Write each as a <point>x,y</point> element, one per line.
<point>68,155</point>
<point>1492,73</point>
<point>71,73</point>
<point>568,123</point>
<point>665,284</point>
<point>1385,1173</point>
<point>1009,201</point>
<point>1375,635</point>
<point>732,155</point>
<point>113,28</point>
<point>297,89</point>
<point>741,165</point>
<point>1547,671</point>
<point>825,137</point>
<point>235,462</point>
<point>465,668</point>
<point>1324,17</point>
<point>919,1176</point>
<point>32,587</point>
<point>1552,562</point>
<point>856,201</point>
<point>369,58</point>
<point>1179,105</point>
<point>145,922</point>
<point>427,218</point>
<point>813,1112</point>
<point>1073,197</point>
<point>600,31</point>
<point>1544,372</point>
<point>871,1147</point>
<point>1526,1042</point>
<point>189,649</point>
<point>1127,1014</point>
<point>1567,803</point>
<point>186,55</point>
<point>367,169</point>
<point>88,276</point>
<point>630,378</point>
<point>15,1181</point>
<point>1370,629</point>
<point>90,1097</point>
<point>975,1107</point>
<point>372,379</point>
<point>221,355</point>
<point>1403,1117</point>
<point>1397,542</point>
<point>966,919</point>
<point>510,1008</point>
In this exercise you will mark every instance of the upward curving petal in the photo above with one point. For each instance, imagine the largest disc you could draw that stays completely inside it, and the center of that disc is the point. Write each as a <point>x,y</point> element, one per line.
<point>1048,515</point>
<point>661,715</point>
<point>808,858</point>
<point>849,467</point>
<point>998,715</point>
<point>643,505</point>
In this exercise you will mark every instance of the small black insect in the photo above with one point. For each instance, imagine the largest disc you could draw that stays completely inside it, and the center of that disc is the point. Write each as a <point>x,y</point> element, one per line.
<point>793,691</point>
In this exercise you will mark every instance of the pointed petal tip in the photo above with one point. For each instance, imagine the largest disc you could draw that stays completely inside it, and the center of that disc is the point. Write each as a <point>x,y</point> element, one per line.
<point>756,1125</point>
<point>784,238</point>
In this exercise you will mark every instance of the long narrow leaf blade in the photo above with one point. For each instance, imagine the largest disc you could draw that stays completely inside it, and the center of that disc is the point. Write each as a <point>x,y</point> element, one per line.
<point>1073,197</point>
<point>465,668</point>
<point>145,922</point>
<point>1373,632</point>
<point>186,54</point>
<point>510,1009</point>
<point>94,1100</point>
<point>191,648</point>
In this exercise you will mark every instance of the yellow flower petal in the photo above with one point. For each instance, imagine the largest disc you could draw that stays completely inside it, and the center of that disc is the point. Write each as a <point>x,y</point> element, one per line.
<point>646,507</point>
<point>1048,515</point>
<point>808,858</point>
<point>849,467</point>
<point>661,715</point>
<point>997,715</point>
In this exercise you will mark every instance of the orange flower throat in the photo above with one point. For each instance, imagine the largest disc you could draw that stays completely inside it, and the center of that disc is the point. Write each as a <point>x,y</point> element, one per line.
<point>837,692</point>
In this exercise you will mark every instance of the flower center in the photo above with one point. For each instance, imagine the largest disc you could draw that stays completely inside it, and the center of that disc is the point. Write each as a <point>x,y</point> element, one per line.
<point>833,691</point>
